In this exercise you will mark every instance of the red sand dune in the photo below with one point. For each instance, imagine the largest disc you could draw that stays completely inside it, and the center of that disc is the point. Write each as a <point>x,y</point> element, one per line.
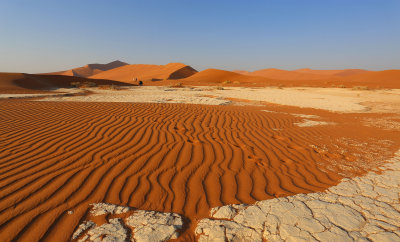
<point>215,76</point>
<point>278,74</point>
<point>329,78</point>
<point>302,74</point>
<point>90,69</point>
<point>34,83</point>
<point>242,72</point>
<point>145,72</point>
<point>377,76</point>
<point>345,72</point>
<point>57,157</point>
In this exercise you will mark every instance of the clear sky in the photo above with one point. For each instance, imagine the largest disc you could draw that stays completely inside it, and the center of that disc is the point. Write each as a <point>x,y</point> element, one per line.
<point>51,35</point>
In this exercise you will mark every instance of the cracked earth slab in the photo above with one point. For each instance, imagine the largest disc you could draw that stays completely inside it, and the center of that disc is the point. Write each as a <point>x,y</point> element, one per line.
<point>140,226</point>
<point>360,209</point>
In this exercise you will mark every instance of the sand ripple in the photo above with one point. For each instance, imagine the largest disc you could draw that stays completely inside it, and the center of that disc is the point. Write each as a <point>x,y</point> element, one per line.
<point>56,158</point>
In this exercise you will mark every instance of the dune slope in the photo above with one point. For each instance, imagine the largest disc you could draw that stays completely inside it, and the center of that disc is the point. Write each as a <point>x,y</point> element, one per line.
<point>33,83</point>
<point>146,72</point>
<point>345,72</point>
<point>90,69</point>
<point>216,76</point>
<point>60,157</point>
<point>287,75</point>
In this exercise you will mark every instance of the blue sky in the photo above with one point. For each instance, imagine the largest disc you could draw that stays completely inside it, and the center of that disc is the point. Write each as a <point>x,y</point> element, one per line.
<point>45,35</point>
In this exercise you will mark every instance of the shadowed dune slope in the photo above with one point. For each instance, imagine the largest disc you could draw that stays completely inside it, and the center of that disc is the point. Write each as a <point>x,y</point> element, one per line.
<point>32,83</point>
<point>60,157</point>
<point>146,72</point>
<point>90,69</point>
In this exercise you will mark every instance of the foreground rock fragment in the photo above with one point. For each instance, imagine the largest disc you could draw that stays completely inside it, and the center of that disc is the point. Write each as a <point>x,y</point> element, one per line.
<point>139,226</point>
<point>360,209</point>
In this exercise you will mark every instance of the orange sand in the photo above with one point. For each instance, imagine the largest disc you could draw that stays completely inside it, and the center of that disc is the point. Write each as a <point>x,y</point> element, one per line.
<point>145,72</point>
<point>61,156</point>
<point>90,69</point>
<point>166,74</point>
<point>275,77</point>
<point>57,157</point>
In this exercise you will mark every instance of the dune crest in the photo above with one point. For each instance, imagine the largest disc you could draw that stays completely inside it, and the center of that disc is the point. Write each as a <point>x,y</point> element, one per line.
<point>146,72</point>
<point>90,69</point>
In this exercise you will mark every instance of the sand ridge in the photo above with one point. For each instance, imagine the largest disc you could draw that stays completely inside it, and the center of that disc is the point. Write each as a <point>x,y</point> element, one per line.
<point>146,72</point>
<point>58,157</point>
<point>312,78</point>
<point>189,157</point>
<point>89,69</point>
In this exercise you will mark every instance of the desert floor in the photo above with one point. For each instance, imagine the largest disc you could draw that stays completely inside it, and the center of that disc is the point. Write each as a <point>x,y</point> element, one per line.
<point>206,163</point>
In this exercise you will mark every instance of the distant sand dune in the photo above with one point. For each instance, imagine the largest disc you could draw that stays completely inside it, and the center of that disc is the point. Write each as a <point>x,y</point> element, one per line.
<point>302,77</point>
<point>146,72</point>
<point>90,69</point>
<point>345,72</point>
<point>305,74</point>
<point>33,83</point>
<point>215,76</point>
<point>62,156</point>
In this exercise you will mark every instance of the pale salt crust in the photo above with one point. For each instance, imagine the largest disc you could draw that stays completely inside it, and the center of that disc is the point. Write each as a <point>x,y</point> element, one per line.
<point>364,208</point>
<point>58,92</point>
<point>311,123</point>
<point>360,209</point>
<point>140,226</point>
<point>332,99</point>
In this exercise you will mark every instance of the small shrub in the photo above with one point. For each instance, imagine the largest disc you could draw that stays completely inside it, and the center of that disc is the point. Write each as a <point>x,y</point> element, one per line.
<point>177,85</point>
<point>88,84</point>
<point>236,82</point>
<point>109,87</point>
<point>75,84</point>
<point>227,82</point>
<point>341,86</point>
<point>360,88</point>
<point>220,88</point>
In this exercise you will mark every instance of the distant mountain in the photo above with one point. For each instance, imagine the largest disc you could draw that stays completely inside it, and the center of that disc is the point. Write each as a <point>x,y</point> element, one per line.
<point>90,69</point>
<point>145,72</point>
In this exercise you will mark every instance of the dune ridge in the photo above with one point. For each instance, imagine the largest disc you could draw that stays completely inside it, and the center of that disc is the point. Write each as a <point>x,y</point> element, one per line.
<point>303,74</point>
<point>60,157</point>
<point>145,72</point>
<point>345,72</point>
<point>90,69</point>
<point>302,77</point>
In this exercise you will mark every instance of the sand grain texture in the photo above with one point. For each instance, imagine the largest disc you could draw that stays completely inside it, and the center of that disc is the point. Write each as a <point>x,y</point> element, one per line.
<point>57,157</point>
